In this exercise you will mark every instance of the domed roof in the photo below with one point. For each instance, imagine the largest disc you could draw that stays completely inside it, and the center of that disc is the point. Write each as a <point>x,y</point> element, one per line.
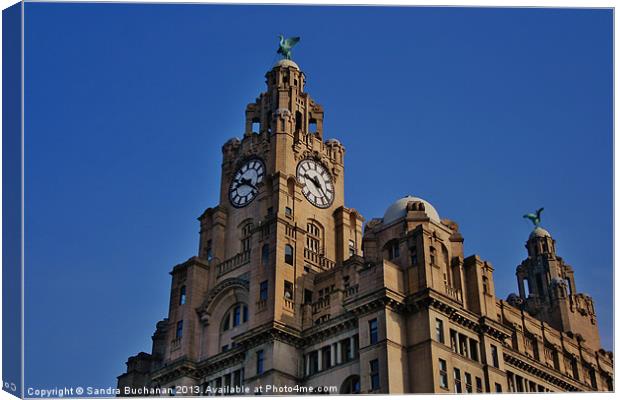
<point>286,63</point>
<point>539,232</point>
<point>332,140</point>
<point>398,209</point>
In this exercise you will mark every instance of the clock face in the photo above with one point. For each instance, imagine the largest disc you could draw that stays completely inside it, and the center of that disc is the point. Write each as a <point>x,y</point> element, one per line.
<point>243,188</point>
<point>318,186</point>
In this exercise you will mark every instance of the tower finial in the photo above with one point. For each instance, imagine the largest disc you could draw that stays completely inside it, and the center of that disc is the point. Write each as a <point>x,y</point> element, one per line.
<point>286,45</point>
<point>534,217</point>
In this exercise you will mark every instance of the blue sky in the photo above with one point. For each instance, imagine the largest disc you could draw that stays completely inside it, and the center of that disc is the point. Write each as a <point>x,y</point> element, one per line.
<point>486,113</point>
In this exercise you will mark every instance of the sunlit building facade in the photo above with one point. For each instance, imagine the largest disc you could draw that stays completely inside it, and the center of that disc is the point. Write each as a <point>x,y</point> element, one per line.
<point>289,288</point>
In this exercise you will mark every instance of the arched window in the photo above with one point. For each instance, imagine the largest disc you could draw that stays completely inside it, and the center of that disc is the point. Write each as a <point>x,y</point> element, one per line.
<point>246,237</point>
<point>264,258</point>
<point>351,385</point>
<point>288,254</point>
<point>237,315</point>
<point>232,324</point>
<point>313,238</point>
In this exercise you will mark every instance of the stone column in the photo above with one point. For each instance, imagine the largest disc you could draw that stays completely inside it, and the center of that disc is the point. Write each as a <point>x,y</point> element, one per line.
<point>351,348</point>
<point>338,353</point>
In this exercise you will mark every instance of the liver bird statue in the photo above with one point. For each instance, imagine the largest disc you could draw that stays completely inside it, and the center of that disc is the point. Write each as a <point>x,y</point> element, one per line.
<point>534,217</point>
<point>286,45</point>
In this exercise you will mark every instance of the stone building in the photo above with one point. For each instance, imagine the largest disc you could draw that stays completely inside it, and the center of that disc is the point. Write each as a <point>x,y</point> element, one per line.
<point>290,289</point>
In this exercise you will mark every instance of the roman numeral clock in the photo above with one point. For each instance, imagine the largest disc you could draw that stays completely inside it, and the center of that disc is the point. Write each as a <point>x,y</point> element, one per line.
<point>243,188</point>
<point>317,183</point>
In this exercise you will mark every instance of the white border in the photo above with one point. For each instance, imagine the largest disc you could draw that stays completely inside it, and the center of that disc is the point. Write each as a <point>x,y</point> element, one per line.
<point>458,3</point>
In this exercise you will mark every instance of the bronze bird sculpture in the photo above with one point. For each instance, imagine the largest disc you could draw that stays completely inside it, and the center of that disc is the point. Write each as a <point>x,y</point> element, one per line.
<point>286,45</point>
<point>534,217</point>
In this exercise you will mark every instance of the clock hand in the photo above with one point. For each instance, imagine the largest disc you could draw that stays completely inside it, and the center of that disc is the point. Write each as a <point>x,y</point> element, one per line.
<point>308,177</point>
<point>318,183</point>
<point>247,182</point>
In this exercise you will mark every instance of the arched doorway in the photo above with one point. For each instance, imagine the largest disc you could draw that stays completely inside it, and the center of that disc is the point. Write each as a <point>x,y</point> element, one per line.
<point>351,385</point>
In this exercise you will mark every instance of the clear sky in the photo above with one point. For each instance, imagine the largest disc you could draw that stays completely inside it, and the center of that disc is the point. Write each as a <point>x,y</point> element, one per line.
<point>486,113</point>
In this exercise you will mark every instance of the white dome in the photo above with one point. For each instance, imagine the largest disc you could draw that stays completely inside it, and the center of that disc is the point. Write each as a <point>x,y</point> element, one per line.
<point>398,209</point>
<point>286,63</point>
<point>539,232</point>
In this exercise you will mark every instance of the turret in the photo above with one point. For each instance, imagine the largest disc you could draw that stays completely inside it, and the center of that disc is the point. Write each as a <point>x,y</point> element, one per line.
<point>548,291</point>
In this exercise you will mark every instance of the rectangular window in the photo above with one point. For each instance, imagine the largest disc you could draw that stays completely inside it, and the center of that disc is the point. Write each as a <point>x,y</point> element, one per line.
<point>573,364</point>
<point>374,375</point>
<point>494,356</point>
<point>237,378</point>
<point>179,333</point>
<point>288,211</point>
<point>457,381</point>
<point>345,348</point>
<point>478,384</point>
<point>453,341</point>
<point>209,251</point>
<point>183,295</point>
<point>519,383</point>
<point>245,313</point>
<point>498,388</point>
<point>394,251</point>
<point>414,256</point>
<point>288,290</point>
<point>289,254</point>
<point>314,362</point>
<point>326,357</point>
<point>463,345</point>
<point>307,296</point>
<point>473,349</point>
<point>260,362</point>
<point>227,381</point>
<point>263,290</point>
<point>237,315</point>
<point>511,383</point>
<point>373,329</point>
<point>351,248</point>
<point>468,385</point>
<point>439,330</point>
<point>265,255</point>
<point>225,348</point>
<point>443,374</point>
<point>593,383</point>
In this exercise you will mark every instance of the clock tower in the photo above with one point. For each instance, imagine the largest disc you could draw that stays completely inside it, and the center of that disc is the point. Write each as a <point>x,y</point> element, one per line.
<point>281,220</point>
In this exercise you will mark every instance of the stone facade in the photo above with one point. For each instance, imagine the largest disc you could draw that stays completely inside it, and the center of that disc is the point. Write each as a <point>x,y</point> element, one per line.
<point>289,288</point>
